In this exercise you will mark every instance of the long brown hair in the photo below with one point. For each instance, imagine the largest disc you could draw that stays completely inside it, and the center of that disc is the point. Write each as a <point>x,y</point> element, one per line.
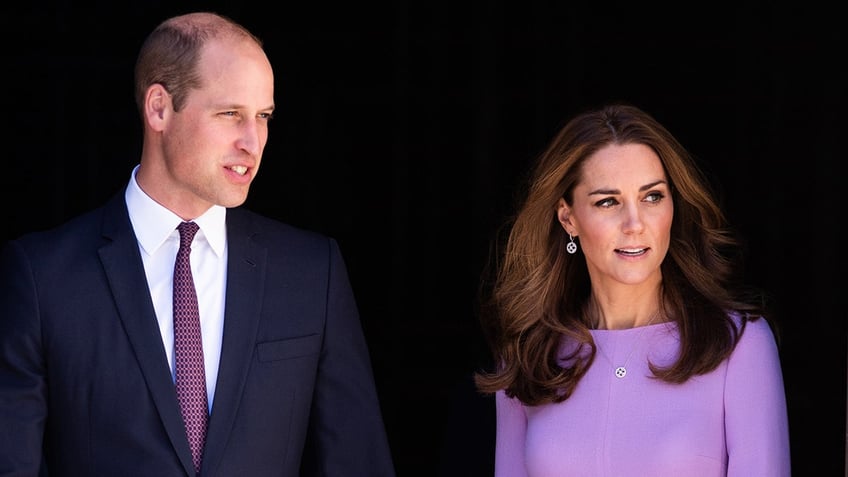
<point>539,292</point>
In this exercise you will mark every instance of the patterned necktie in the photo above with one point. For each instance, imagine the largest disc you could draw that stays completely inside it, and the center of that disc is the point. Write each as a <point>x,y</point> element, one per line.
<point>188,348</point>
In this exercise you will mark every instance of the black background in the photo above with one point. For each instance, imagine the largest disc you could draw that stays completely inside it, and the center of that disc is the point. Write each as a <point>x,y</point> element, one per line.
<point>403,130</point>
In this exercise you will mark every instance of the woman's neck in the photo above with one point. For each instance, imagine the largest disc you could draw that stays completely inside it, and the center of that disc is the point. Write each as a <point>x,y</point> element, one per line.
<point>624,310</point>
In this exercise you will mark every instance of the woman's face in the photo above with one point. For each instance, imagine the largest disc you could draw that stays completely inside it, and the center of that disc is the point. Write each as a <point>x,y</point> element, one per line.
<point>621,215</point>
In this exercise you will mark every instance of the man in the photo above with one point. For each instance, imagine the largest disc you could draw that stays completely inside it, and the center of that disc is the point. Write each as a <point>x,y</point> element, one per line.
<point>92,362</point>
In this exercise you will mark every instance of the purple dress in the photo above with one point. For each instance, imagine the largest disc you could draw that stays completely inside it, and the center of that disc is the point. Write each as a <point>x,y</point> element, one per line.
<point>729,422</point>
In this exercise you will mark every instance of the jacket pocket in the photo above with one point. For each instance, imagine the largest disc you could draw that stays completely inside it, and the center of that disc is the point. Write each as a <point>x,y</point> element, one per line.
<point>288,348</point>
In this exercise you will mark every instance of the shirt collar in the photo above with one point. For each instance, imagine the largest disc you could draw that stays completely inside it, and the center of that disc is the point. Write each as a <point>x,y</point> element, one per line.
<point>153,223</point>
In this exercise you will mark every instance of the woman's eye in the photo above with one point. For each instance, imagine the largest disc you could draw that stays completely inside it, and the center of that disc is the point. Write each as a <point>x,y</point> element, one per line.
<point>608,202</point>
<point>655,197</point>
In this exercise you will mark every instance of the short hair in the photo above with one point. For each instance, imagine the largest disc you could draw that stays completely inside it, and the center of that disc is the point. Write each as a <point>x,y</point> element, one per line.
<point>171,52</point>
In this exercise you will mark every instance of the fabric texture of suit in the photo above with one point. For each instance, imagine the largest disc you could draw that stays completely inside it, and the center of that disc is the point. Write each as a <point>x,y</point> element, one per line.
<point>84,376</point>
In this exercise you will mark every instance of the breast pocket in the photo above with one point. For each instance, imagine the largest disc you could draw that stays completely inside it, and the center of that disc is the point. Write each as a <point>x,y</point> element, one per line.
<point>302,346</point>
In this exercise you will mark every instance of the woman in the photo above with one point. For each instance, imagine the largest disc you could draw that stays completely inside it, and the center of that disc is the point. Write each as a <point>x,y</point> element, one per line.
<point>624,345</point>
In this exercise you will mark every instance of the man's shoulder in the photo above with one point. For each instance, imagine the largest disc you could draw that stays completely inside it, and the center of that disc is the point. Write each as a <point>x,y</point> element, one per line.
<point>270,230</point>
<point>78,226</point>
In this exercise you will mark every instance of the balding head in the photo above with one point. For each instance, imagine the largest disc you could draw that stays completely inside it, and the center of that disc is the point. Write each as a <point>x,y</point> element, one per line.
<point>170,54</point>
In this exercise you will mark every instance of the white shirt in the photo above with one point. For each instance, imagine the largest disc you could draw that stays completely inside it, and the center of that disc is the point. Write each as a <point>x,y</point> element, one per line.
<point>158,240</point>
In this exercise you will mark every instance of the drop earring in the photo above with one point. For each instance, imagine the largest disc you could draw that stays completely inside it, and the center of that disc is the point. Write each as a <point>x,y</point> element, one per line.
<point>571,247</point>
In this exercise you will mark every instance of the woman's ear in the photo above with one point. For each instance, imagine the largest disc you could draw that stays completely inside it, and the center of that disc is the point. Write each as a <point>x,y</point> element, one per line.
<point>564,217</point>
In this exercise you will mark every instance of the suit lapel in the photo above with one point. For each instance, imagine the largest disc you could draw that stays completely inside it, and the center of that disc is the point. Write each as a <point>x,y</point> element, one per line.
<point>129,288</point>
<point>245,282</point>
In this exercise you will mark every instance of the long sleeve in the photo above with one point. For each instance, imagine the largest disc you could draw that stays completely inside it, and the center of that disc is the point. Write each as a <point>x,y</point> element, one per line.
<point>756,420</point>
<point>23,388</point>
<point>510,437</point>
<point>346,420</point>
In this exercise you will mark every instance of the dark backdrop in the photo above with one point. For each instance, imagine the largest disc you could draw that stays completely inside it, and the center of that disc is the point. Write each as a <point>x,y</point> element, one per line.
<point>403,129</point>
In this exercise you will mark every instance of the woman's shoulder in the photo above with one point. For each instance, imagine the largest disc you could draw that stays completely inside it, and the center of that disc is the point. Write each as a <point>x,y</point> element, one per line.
<point>755,325</point>
<point>757,336</point>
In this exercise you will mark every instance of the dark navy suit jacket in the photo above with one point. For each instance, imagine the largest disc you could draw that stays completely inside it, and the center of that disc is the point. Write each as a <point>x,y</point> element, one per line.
<point>85,386</point>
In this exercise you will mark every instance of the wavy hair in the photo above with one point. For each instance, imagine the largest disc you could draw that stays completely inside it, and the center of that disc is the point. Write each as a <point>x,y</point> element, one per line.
<point>538,292</point>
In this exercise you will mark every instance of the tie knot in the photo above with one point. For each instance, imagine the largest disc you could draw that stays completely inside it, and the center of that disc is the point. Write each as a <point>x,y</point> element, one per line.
<point>187,231</point>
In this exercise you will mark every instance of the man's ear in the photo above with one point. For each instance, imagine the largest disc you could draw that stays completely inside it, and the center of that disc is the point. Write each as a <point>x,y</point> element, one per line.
<point>157,106</point>
<point>564,217</point>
